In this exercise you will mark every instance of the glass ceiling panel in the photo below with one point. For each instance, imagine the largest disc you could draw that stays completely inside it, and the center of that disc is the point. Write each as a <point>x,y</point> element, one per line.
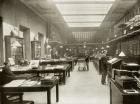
<point>79,0</point>
<point>89,18</point>
<point>83,13</point>
<point>84,24</point>
<point>83,8</point>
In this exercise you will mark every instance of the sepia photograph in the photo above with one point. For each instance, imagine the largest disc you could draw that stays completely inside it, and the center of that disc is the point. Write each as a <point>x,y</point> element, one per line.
<point>69,51</point>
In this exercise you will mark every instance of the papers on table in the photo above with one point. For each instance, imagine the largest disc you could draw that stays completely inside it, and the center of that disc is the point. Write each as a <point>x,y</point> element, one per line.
<point>49,68</point>
<point>34,64</point>
<point>29,83</point>
<point>49,77</point>
<point>59,66</point>
<point>15,83</point>
<point>113,60</point>
<point>22,82</point>
<point>19,68</point>
<point>54,67</point>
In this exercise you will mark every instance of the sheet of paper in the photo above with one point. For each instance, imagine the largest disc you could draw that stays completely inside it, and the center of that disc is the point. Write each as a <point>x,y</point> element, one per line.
<point>29,83</point>
<point>60,66</point>
<point>112,60</point>
<point>50,67</point>
<point>34,63</point>
<point>15,83</point>
<point>48,77</point>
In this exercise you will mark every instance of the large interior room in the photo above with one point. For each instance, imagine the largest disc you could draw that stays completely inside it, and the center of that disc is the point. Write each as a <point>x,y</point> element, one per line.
<point>69,51</point>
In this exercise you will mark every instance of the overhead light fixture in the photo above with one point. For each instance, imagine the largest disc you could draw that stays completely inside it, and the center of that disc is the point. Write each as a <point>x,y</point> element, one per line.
<point>122,54</point>
<point>61,46</point>
<point>107,46</point>
<point>102,48</point>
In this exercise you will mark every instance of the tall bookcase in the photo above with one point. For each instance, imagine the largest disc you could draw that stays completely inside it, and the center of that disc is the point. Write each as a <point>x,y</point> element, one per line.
<point>36,49</point>
<point>11,51</point>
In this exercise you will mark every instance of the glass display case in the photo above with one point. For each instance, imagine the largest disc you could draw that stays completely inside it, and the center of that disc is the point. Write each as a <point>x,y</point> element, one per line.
<point>36,49</point>
<point>14,48</point>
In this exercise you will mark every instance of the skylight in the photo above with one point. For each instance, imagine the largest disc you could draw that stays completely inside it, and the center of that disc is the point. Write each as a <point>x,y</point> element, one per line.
<point>83,8</point>
<point>81,0</point>
<point>83,13</point>
<point>83,18</point>
<point>84,24</point>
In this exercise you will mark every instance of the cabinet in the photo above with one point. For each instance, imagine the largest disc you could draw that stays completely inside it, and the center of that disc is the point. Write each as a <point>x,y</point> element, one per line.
<point>113,63</point>
<point>36,49</point>
<point>118,96</point>
<point>14,48</point>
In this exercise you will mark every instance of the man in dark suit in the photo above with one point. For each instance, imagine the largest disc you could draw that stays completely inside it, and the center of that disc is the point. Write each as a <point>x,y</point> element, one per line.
<point>87,62</point>
<point>7,74</point>
<point>104,68</point>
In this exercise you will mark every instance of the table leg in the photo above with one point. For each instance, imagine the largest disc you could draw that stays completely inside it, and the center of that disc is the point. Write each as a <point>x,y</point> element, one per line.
<point>49,96</point>
<point>57,92</point>
<point>64,77</point>
<point>68,72</point>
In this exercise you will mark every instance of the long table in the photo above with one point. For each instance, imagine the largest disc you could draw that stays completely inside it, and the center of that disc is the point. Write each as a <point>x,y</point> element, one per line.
<point>65,70</point>
<point>34,88</point>
<point>43,69</point>
<point>58,62</point>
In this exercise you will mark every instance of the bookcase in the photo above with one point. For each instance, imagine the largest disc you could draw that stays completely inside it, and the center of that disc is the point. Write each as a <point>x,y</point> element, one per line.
<point>36,49</point>
<point>14,48</point>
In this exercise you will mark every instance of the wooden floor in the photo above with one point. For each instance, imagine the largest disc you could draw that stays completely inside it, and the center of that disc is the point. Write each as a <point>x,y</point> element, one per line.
<point>83,87</point>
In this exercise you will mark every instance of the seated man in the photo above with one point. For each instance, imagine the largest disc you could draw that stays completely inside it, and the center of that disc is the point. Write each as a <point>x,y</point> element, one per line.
<point>7,74</point>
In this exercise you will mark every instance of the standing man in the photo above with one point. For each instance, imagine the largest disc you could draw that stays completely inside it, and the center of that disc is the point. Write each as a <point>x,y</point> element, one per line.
<point>104,68</point>
<point>87,61</point>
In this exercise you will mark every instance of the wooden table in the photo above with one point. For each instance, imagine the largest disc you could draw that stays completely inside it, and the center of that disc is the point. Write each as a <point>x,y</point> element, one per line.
<point>43,69</point>
<point>34,88</point>
<point>65,71</point>
<point>58,62</point>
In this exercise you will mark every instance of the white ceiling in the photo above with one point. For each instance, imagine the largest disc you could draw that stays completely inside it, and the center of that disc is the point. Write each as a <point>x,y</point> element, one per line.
<point>91,12</point>
<point>96,16</point>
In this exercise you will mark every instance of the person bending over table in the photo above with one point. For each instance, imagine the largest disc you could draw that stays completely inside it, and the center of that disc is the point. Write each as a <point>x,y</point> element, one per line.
<point>7,74</point>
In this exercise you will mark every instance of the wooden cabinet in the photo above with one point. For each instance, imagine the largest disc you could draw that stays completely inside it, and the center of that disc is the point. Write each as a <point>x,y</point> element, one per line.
<point>14,48</point>
<point>118,96</point>
<point>36,49</point>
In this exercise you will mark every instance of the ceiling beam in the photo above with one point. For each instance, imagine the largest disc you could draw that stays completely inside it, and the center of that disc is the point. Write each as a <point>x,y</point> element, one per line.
<point>33,1</point>
<point>85,2</point>
<point>86,22</point>
<point>82,14</point>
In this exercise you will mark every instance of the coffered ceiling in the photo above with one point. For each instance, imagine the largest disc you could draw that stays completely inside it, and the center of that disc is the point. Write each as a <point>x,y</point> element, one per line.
<point>93,17</point>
